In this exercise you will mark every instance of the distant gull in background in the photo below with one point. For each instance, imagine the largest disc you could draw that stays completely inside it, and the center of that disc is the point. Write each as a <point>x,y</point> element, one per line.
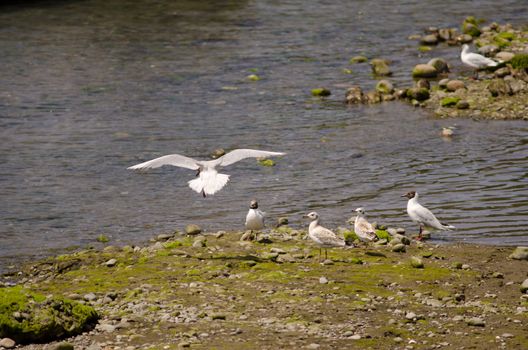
<point>255,217</point>
<point>322,236</point>
<point>364,229</point>
<point>208,181</point>
<point>423,216</point>
<point>475,60</point>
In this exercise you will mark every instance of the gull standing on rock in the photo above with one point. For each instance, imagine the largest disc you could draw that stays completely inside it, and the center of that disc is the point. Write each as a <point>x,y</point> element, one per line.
<point>208,181</point>
<point>255,217</point>
<point>364,229</point>
<point>475,60</point>
<point>423,216</point>
<point>322,236</point>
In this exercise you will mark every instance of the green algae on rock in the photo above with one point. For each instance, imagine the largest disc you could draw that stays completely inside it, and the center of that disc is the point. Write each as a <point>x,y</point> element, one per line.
<point>321,92</point>
<point>30,317</point>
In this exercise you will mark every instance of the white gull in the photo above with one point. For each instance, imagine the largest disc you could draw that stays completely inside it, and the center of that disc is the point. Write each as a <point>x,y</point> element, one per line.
<point>475,60</point>
<point>322,236</point>
<point>364,229</point>
<point>208,181</point>
<point>255,217</point>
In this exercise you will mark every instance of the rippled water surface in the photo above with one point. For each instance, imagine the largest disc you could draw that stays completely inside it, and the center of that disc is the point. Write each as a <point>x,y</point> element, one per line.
<point>88,88</point>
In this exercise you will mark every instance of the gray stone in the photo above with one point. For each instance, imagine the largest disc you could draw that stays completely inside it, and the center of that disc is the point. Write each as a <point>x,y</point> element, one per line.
<point>380,67</point>
<point>410,316</point>
<point>462,104</point>
<point>464,38</point>
<point>443,83</point>
<point>355,337</point>
<point>192,229</point>
<point>488,50</point>
<point>248,236</point>
<point>323,280</point>
<point>287,258</point>
<point>524,286</point>
<point>217,153</point>
<point>423,83</point>
<point>385,87</point>
<point>429,39</point>
<point>416,262</point>
<point>476,322</point>
<point>106,327</point>
<point>354,95</point>
<point>399,248</point>
<point>62,346</point>
<point>7,343</point>
<point>89,297</point>
<point>520,253</point>
<point>504,56</point>
<point>199,242</point>
<point>454,85</point>
<point>499,87</point>
<point>94,346</point>
<point>111,263</point>
<point>424,71</point>
<point>282,221</point>
<point>418,94</point>
<point>313,346</point>
<point>439,64</point>
<point>400,231</point>
<point>164,236</point>
<point>373,97</point>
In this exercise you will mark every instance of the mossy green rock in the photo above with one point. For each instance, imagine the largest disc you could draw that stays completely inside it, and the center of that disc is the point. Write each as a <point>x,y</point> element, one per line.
<point>449,101</point>
<point>418,94</point>
<point>424,71</point>
<point>358,59</point>
<point>417,263</point>
<point>520,61</point>
<point>322,92</point>
<point>29,317</point>
<point>380,67</point>
<point>266,162</point>
<point>384,87</point>
<point>470,26</point>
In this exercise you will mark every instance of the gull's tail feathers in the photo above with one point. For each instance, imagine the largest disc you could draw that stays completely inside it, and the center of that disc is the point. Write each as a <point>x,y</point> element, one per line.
<point>208,182</point>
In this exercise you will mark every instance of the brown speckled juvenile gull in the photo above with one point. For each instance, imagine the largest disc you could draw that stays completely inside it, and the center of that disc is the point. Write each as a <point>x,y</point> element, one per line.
<point>322,236</point>
<point>364,229</point>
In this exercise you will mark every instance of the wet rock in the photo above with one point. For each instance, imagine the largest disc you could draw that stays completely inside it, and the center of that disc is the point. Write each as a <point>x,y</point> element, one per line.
<point>499,87</point>
<point>265,239</point>
<point>358,59</point>
<point>524,286</point>
<point>429,39</point>
<point>462,104</point>
<point>354,95</point>
<point>111,263</point>
<point>424,71</point>
<point>217,153</point>
<point>439,64</point>
<point>380,67</point>
<point>285,258</point>
<point>476,322</point>
<point>164,236</point>
<point>471,29</point>
<point>253,77</point>
<point>418,94</point>
<point>520,253</point>
<point>423,83</point>
<point>454,85</point>
<point>445,34</point>
<point>399,248</point>
<point>373,97</point>
<point>321,92</point>
<point>385,87</point>
<point>504,56</point>
<point>417,263</point>
<point>442,84</point>
<point>464,39</point>
<point>400,231</point>
<point>282,221</point>
<point>449,101</point>
<point>63,346</point>
<point>248,236</point>
<point>488,50</point>
<point>192,229</point>
<point>199,242</point>
<point>403,239</point>
<point>400,93</point>
<point>7,343</point>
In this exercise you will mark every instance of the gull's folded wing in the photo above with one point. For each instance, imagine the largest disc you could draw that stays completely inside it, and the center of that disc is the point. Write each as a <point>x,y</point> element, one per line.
<point>239,154</point>
<point>171,159</point>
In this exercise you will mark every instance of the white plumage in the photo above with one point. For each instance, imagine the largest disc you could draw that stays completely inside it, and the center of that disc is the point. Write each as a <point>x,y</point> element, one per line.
<point>322,236</point>
<point>255,217</point>
<point>423,216</point>
<point>208,180</point>
<point>475,60</point>
<point>364,229</point>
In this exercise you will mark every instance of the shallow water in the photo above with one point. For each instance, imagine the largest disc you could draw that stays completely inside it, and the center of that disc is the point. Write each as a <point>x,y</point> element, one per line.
<point>91,87</point>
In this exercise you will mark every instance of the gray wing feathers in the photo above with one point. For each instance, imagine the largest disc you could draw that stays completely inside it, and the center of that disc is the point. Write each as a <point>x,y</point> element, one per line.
<point>171,159</point>
<point>327,237</point>
<point>239,154</point>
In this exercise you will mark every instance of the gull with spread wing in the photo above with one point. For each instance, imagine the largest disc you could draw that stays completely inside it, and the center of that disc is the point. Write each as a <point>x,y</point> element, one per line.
<point>208,181</point>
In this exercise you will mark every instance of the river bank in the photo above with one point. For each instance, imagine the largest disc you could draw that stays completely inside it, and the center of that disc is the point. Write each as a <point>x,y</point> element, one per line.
<point>215,291</point>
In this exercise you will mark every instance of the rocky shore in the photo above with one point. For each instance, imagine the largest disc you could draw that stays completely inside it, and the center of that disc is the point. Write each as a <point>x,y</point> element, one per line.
<point>232,290</point>
<point>499,93</point>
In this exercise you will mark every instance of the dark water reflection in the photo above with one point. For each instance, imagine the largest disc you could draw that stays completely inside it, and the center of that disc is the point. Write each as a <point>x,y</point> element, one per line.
<point>88,88</point>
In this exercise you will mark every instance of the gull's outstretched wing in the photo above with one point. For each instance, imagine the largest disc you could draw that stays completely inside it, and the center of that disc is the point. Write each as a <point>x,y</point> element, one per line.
<point>171,159</point>
<point>239,154</point>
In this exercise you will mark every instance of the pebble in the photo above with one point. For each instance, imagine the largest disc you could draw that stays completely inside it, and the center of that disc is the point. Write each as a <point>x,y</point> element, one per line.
<point>398,340</point>
<point>416,262</point>
<point>410,315</point>
<point>355,337</point>
<point>520,253</point>
<point>399,248</point>
<point>7,343</point>
<point>524,286</point>
<point>476,322</point>
<point>106,327</point>
<point>323,280</point>
<point>89,297</point>
<point>313,346</point>
<point>63,346</point>
<point>111,263</point>
<point>192,229</point>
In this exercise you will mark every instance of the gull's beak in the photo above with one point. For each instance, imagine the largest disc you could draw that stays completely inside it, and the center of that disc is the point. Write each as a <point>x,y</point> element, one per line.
<point>404,195</point>
<point>305,216</point>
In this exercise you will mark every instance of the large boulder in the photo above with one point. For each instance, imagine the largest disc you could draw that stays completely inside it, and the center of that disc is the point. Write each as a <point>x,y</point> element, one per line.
<point>27,317</point>
<point>439,64</point>
<point>424,71</point>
